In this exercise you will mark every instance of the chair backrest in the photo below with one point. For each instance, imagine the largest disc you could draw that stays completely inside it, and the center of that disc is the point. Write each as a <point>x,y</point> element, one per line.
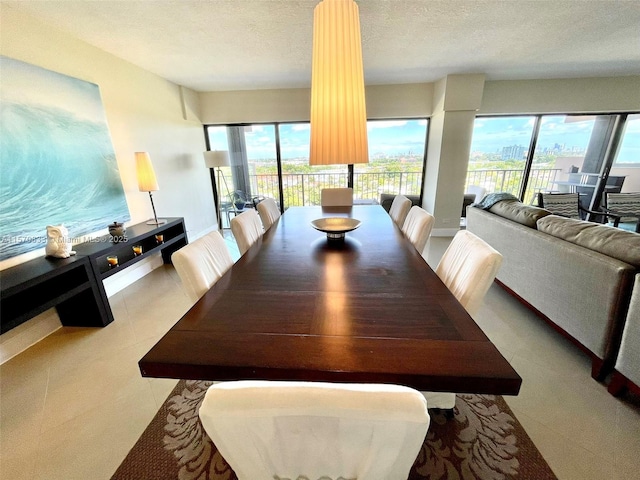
<point>268,211</point>
<point>417,227</point>
<point>201,263</point>
<point>565,204</point>
<point>624,204</point>
<point>468,268</point>
<point>399,209</point>
<point>293,430</point>
<point>478,191</point>
<point>247,229</point>
<point>336,197</point>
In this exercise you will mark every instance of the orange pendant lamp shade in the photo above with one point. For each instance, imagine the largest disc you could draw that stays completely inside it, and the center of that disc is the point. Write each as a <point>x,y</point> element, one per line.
<point>338,112</point>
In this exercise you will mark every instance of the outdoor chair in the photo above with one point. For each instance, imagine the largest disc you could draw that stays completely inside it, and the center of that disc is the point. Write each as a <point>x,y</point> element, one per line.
<point>625,208</point>
<point>568,205</point>
<point>313,430</point>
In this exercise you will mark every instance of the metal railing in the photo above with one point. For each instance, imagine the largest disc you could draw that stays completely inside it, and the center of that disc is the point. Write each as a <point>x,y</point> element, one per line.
<point>304,188</point>
<point>509,181</point>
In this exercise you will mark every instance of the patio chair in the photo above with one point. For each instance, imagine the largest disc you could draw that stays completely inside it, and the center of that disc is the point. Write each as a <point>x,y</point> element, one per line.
<point>568,205</point>
<point>625,207</point>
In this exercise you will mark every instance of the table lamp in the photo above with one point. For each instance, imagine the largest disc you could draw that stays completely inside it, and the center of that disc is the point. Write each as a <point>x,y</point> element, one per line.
<point>147,182</point>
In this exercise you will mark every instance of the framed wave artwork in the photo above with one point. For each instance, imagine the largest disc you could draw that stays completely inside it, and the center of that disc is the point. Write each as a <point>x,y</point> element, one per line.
<point>58,165</point>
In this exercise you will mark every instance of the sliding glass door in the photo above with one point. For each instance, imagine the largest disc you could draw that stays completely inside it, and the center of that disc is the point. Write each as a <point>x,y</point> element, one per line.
<point>524,155</point>
<point>272,160</point>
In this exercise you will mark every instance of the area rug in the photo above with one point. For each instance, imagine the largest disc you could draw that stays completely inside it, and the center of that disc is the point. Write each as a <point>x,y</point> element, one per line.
<point>483,440</point>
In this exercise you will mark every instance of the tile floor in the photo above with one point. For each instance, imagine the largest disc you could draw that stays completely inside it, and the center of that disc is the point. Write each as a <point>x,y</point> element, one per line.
<point>74,404</point>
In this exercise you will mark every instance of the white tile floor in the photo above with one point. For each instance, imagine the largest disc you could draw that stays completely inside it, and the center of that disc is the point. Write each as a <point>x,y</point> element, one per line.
<point>74,404</point>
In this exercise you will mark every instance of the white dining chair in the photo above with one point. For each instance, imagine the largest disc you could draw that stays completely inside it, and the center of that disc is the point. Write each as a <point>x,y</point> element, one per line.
<point>399,209</point>
<point>468,268</point>
<point>247,229</point>
<point>336,197</point>
<point>417,227</point>
<point>313,430</point>
<point>268,211</point>
<point>201,263</point>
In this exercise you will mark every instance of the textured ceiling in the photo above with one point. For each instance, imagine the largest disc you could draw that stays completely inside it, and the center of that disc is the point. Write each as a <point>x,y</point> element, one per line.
<point>251,44</point>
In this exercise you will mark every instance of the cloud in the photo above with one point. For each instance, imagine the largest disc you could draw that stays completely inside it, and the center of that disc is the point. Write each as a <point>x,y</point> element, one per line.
<point>385,124</point>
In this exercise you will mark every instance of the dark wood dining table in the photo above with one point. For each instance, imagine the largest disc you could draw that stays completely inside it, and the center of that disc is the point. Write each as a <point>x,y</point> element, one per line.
<point>367,309</point>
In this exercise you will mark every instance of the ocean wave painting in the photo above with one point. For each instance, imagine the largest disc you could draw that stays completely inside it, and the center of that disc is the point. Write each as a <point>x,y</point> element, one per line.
<point>58,165</point>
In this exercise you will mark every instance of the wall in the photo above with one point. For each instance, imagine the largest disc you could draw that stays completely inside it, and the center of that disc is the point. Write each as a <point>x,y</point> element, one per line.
<point>289,105</point>
<point>572,95</point>
<point>144,113</point>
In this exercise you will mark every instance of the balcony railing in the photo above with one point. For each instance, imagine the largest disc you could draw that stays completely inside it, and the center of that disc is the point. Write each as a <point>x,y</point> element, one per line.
<point>304,188</point>
<point>510,180</point>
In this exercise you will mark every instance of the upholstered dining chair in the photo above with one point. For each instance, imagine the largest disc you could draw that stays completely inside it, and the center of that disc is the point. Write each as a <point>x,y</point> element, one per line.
<point>336,197</point>
<point>268,211</point>
<point>313,430</point>
<point>399,209</point>
<point>417,227</point>
<point>626,207</point>
<point>247,229</point>
<point>468,267</point>
<point>201,263</point>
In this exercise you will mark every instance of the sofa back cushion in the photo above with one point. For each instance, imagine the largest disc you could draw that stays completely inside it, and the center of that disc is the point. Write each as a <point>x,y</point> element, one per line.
<point>517,211</point>
<point>610,241</point>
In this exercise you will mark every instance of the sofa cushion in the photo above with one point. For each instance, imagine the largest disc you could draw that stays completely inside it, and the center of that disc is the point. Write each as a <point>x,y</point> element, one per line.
<point>518,212</point>
<point>610,241</point>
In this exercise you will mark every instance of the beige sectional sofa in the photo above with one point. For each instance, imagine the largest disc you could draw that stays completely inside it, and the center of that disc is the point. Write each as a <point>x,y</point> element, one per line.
<point>577,275</point>
<point>627,368</point>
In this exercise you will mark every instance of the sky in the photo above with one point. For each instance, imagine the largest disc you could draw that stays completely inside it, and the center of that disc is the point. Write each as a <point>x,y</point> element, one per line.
<point>492,133</point>
<point>402,137</point>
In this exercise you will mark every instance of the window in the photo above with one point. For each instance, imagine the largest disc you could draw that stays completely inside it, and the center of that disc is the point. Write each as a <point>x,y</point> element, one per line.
<point>301,182</point>
<point>499,150</point>
<point>396,159</point>
<point>629,152</point>
<point>523,155</point>
<point>272,160</point>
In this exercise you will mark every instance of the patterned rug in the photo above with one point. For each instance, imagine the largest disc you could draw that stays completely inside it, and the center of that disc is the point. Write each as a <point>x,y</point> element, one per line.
<point>483,441</point>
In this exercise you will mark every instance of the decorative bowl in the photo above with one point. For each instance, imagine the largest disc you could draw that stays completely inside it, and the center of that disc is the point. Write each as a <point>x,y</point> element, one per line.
<point>335,227</point>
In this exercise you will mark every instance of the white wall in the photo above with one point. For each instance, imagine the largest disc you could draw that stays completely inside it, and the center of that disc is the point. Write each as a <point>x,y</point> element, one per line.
<point>144,113</point>
<point>289,105</point>
<point>570,95</point>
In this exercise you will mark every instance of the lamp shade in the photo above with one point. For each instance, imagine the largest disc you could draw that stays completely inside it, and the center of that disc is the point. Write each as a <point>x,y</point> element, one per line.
<point>216,158</point>
<point>338,112</point>
<point>146,176</point>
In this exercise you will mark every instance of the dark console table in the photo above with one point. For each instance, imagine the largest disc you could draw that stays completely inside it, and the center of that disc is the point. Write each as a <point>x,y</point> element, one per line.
<point>74,285</point>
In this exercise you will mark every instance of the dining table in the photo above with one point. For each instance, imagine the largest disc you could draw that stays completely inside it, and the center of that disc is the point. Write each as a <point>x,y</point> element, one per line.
<point>366,308</point>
